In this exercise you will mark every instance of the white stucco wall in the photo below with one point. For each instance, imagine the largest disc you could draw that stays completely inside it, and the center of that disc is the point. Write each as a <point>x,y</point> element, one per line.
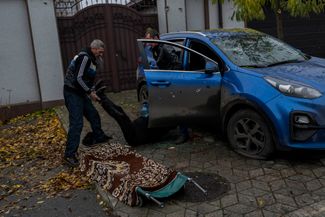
<point>18,80</point>
<point>47,48</point>
<point>31,68</point>
<point>161,16</point>
<point>171,15</point>
<point>176,15</point>
<point>213,15</point>
<point>227,12</point>
<point>189,15</point>
<point>195,14</point>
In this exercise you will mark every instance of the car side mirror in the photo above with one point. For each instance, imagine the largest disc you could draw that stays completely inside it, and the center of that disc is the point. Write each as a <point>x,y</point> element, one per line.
<point>211,67</point>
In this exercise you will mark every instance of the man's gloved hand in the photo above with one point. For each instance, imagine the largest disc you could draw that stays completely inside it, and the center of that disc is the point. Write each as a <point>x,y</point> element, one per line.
<point>93,96</point>
<point>98,89</point>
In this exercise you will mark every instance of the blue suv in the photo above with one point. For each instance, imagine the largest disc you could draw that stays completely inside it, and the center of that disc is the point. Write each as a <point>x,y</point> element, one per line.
<point>261,93</point>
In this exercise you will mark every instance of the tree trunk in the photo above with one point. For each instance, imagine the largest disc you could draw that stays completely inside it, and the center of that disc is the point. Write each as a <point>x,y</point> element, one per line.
<point>279,20</point>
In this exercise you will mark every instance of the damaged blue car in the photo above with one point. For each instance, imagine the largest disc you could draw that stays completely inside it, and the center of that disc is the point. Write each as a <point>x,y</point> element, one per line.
<point>262,93</point>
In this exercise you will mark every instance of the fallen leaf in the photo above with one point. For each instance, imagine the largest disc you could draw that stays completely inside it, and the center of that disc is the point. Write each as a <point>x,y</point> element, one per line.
<point>260,202</point>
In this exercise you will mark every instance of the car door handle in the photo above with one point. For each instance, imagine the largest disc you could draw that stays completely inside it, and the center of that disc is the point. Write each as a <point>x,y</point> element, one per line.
<point>160,83</point>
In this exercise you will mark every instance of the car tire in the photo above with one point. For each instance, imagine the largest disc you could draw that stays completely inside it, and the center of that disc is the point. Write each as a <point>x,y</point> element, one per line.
<point>143,93</point>
<point>249,135</point>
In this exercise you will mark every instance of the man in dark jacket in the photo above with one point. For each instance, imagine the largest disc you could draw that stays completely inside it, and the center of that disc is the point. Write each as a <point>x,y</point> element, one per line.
<point>78,93</point>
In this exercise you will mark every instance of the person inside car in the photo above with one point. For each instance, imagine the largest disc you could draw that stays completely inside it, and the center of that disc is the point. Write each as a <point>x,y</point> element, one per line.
<point>164,55</point>
<point>147,49</point>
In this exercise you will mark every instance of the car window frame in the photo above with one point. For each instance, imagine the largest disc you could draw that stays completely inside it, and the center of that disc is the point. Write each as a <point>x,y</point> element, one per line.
<point>144,57</point>
<point>221,66</point>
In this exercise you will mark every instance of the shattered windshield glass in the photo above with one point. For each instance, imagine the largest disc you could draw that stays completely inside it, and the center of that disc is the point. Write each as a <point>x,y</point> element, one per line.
<point>257,50</point>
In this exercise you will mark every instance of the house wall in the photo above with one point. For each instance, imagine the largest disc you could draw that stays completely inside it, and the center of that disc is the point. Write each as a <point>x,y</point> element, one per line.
<point>176,15</point>
<point>46,48</point>
<point>18,83</point>
<point>162,16</point>
<point>31,69</point>
<point>213,15</point>
<point>194,14</point>
<point>182,15</point>
<point>227,12</point>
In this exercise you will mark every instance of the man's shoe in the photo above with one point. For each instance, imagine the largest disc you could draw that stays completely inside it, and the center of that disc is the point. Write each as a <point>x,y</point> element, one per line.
<point>71,161</point>
<point>102,139</point>
<point>181,139</point>
<point>98,141</point>
<point>90,141</point>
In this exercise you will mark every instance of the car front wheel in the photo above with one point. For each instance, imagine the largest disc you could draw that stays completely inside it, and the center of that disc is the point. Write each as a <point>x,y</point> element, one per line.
<point>249,135</point>
<point>143,93</point>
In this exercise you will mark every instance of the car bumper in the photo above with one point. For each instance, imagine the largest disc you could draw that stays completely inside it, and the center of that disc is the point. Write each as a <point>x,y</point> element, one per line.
<point>299,123</point>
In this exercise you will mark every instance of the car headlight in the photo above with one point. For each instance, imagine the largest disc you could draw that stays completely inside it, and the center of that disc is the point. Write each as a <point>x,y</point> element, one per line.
<point>293,89</point>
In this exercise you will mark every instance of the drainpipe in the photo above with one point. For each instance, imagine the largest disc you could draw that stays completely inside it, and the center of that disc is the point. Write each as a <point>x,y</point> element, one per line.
<point>166,16</point>
<point>220,19</point>
<point>185,11</point>
<point>206,15</point>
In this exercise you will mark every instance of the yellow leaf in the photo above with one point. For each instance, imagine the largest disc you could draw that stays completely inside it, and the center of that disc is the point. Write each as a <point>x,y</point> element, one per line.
<point>17,186</point>
<point>260,202</point>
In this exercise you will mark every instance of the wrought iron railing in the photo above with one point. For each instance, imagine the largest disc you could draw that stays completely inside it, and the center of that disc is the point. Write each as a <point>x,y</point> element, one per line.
<point>140,5</point>
<point>71,7</point>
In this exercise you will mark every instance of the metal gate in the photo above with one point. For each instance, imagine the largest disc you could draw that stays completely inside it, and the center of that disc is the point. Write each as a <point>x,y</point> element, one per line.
<point>118,26</point>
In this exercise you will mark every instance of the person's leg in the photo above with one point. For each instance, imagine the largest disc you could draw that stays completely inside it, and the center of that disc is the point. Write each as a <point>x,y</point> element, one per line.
<point>93,117</point>
<point>74,104</point>
<point>184,134</point>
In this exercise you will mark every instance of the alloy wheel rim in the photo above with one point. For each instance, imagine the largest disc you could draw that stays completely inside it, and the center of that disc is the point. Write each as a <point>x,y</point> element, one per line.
<point>249,136</point>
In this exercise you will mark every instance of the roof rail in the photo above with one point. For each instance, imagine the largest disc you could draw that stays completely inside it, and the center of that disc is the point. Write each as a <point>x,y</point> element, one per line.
<point>182,32</point>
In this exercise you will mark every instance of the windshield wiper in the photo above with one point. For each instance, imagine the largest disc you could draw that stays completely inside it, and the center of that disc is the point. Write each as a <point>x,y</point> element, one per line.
<point>284,62</point>
<point>253,66</point>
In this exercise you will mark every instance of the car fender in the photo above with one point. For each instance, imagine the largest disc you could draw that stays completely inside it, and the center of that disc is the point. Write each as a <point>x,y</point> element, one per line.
<point>243,102</point>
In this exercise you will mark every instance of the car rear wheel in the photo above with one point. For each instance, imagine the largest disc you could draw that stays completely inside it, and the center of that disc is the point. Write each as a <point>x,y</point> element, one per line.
<point>249,135</point>
<point>143,93</point>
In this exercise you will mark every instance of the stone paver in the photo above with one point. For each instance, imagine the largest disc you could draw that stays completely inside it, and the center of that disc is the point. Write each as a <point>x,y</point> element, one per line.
<point>288,185</point>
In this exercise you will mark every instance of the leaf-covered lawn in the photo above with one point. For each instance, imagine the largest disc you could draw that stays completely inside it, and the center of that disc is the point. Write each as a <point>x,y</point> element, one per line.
<point>31,149</point>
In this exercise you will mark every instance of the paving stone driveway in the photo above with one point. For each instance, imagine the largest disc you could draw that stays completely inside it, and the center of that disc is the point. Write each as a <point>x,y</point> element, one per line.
<point>291,184</point>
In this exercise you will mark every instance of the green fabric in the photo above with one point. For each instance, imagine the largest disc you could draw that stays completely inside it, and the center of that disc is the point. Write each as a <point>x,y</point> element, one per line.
<point>168,190</point>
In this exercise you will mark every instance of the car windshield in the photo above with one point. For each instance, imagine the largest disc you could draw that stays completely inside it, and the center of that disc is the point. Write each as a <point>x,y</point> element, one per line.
<point>257,50</point>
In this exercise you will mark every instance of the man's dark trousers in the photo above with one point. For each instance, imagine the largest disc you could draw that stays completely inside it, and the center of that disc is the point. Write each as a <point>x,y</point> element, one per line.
<point>79,105</point>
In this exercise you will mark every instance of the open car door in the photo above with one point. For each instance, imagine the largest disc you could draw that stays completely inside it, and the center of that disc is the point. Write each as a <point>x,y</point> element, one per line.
<point>178,95</point>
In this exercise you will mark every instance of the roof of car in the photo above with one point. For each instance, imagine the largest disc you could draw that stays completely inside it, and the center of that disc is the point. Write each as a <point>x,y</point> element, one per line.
<point>214,32</point>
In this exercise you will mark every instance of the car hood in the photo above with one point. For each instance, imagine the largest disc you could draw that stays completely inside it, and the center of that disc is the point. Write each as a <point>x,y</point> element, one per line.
<point>310,72</point>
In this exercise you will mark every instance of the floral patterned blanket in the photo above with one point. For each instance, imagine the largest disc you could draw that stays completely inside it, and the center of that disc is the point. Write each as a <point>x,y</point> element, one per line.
<point>120,170</point>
